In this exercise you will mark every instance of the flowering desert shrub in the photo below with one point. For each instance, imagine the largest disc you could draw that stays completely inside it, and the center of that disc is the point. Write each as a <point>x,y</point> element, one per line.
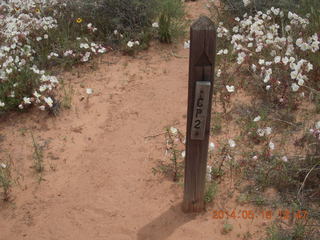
<point>276,49</point>
<point>239,7</point>
<point>29,44</point>
<point>271,59</point>
<point>36,35</point>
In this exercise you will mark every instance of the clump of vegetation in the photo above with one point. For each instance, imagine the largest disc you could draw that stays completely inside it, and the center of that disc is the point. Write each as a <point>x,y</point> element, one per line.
<point>170,20</point>
<point>299,231</point>
<point>240,7</point>
<point>296,177</point>
<point>311,8</point>
<point>37,156</point>
<point>68,91</point>
<point>227,227</point>
<point>271,55</point>
<point>5,179</point>
<point>210,191</point>
<point>221,159</point>
<point>175,151</point>
<point>278,61</point>
<point>37,36</point>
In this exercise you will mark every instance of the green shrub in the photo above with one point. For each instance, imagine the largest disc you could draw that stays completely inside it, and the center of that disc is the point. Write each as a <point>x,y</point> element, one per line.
<point>210,191</point>
<point>131,19</point>
<point>170,20</point>
<point>296,232</point>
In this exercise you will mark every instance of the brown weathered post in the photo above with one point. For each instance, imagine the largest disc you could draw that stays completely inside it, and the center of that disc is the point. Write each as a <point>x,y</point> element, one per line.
<point>201,72</point>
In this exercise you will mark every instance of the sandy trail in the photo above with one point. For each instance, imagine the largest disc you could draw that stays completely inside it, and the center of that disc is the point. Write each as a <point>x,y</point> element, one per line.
<point>98,179</point>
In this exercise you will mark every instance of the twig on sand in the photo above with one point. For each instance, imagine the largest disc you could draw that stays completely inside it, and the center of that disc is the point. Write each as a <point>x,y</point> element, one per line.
<point>280,120</point>
<point>153,136</point>
<point>305,179</point>
<point>177,56</point>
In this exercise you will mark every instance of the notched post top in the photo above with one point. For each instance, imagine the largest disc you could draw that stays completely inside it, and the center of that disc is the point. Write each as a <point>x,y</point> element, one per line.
<point>203,60</point>
<point>203,23</point>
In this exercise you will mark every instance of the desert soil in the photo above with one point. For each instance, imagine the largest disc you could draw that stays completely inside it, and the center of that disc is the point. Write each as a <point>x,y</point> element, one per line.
<point>98,181</point>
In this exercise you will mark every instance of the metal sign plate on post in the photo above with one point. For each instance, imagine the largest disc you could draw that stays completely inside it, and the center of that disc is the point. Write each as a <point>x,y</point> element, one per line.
<point>200,110</point>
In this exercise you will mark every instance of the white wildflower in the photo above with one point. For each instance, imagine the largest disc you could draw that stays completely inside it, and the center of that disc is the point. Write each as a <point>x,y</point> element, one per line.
<point>268,130</point>
<point>271,145</point>
<point>277,59</point>
<point>211,146</point>
<point>173,130</point>
<point>284,158</point>
<point>89,91</point>
<point>49,101</point>
<point>309,67</point>
<point>256,119</point>
<point>288,28</point>
<point>208,174</point>
<point>84,45</point>
<point>26,100</point>
<point>155,25</point>
<point>186,44</point>
<point>219,73</point>
<point>260,132</point>
<point>231,143</point>
<point>295,87</point>
<point>285,60</point>
<point>230,89</point>
<point>246,2</point>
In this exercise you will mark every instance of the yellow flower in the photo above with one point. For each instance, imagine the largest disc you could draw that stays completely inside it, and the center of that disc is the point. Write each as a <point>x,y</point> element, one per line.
<point>79,20</point>
<point>37,10</point>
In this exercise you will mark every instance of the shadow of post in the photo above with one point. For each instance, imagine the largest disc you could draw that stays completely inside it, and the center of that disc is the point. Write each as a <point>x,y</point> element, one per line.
<point>165,224</point>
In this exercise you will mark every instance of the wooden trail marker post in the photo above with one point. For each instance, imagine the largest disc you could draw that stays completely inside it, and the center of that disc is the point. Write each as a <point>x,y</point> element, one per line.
<point>200,90</point>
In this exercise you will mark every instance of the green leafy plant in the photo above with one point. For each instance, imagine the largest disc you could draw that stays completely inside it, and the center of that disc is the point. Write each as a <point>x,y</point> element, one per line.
<point>227,227</point>
<point>210,191</point>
